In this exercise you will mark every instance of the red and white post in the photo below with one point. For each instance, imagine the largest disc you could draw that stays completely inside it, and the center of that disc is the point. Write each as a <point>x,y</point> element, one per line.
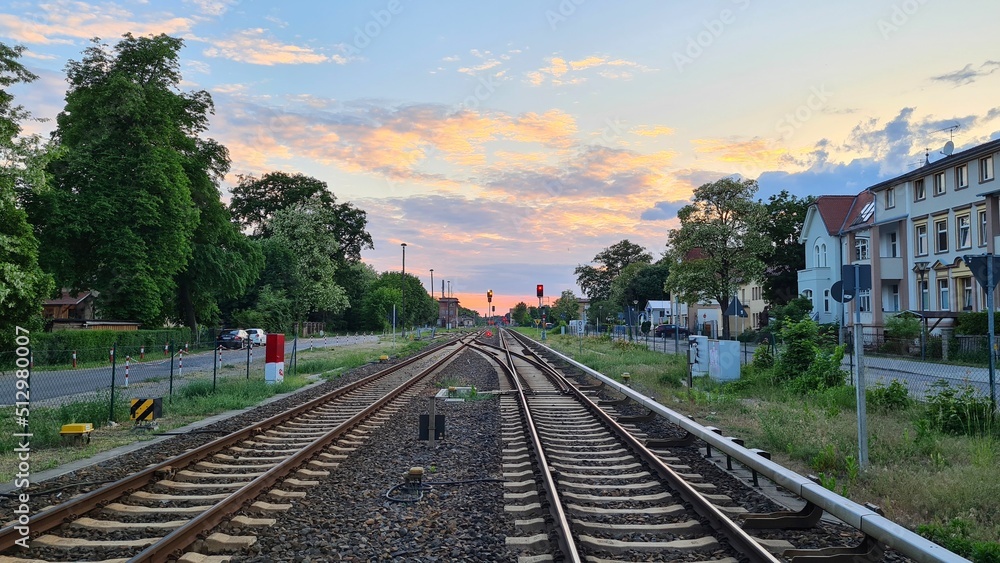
<point>166,349</point>
<point>142,353</point>
<point>127,359</point>
<point>180,363</point>
<point>274,359</point>
<point>111,356</point>
<point>74,359</point>
<point>220,357</point>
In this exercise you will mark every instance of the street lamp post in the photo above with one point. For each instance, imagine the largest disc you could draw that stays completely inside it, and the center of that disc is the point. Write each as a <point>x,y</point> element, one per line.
<point>920,268</point>
<point>402,299</point>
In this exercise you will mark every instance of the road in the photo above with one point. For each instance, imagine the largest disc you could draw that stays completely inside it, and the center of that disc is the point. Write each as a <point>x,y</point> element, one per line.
<point>49,385</point>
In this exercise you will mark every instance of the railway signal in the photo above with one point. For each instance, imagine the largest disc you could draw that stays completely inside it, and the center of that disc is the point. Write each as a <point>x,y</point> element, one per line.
<point>540,291</point>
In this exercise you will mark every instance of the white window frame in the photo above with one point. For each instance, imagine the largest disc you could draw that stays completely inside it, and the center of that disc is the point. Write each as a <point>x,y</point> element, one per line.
<point>893,245</point>
<point>890,198</point>
<point>944,295</point>
<point>967,293</point>
<point>982,227</point>
<point>941,235</point>
<point>939,185</point>
<point>921,237</point>
<point>865,301</point>
<point>894,296</point>
<point>986,172</point>
<point>919,190</point>
<point>861,251</point>
<point>923,289</point>
<point>963,232</point>
<point>826,300</point>
<point>962,176</point>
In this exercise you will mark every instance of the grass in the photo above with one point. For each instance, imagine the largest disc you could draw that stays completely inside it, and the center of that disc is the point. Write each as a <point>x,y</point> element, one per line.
<point>922,478</point>
<point>191,402</point>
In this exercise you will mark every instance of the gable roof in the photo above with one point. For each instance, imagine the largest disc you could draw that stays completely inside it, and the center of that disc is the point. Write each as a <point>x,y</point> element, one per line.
<point>834,209</point>
<point>67,298</point>
<point>862,213</point>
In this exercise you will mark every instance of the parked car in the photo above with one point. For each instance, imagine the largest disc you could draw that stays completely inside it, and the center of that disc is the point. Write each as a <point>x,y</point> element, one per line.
<point>257,336</point>
<point>671,331</point>
<point>234,339</point>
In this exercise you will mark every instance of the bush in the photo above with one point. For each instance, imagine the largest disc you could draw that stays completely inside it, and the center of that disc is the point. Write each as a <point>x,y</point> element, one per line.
<point>800,348</point>
<point>823,373</point>
<point>958,411</point>
<point>975,323</point>
<point>895,396</point>
<point>954,536</point>
<point>904,325</point>
<point>55,348</point>
<point>763,358</point>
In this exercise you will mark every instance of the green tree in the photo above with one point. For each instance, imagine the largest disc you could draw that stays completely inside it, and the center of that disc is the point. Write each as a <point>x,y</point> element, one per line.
<point>419,309</point>
<point>566,308</point>
<point>596,280</point>
<point>256,200</point>
<point>520,315</point>
<point>377,307</point>
<point>640,282</point>
<point>121,217</point>
<point>719,244</point>
<point>23,284</point>
<point>224,261</point>
<point>785,255</point>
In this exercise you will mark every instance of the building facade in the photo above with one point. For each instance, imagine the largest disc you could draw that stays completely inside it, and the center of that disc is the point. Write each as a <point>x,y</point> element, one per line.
<point>913,230</point>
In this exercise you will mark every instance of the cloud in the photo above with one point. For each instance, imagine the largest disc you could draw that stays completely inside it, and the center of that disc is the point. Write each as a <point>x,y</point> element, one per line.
<point>652,130</point>
<point>213,7</point>
<point>62,21</point>
<point>562,72</point>
<point>968,74</point>
<point>252,46</point>
<point>663,211</point>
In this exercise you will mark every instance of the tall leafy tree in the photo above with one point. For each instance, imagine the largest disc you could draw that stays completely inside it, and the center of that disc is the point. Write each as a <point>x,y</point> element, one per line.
<point>121,219</point>
<point>596,280</point>
<point>786,255</point>
<point>256,200</point>
<point>640,282</point>
<point>23,284</point>
<point>419,307</point>
<point>719,244</point>
<point>520,315</point>
<point>566,308</point>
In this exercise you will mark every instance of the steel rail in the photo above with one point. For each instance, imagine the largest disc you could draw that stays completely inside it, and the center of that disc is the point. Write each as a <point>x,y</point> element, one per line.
<point>184,536</point>
<point>564,534</point>
<point>738,538</point>
<point>853,514</point>
<point>67,511</point>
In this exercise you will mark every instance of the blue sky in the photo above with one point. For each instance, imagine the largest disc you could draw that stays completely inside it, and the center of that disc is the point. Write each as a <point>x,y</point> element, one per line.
<point>507,142</point>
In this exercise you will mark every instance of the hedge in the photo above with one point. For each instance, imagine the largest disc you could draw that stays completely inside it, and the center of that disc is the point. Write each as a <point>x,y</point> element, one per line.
<point>55,348</point>
<point>976,323</point>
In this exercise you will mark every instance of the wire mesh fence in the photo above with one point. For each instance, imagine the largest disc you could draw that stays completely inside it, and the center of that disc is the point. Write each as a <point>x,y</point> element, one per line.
<point>115,375</point>
<point>927,365</point>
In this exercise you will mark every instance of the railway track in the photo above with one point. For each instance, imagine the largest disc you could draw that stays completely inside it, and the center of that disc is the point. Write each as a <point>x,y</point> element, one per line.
<point>159,513</point>
<point>584,485</point>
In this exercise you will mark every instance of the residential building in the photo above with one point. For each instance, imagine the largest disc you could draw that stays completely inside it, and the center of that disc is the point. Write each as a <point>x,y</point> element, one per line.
<point>913,230</point>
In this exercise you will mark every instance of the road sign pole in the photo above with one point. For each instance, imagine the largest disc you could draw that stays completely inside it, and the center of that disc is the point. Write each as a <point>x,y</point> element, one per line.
<point>859,353</point>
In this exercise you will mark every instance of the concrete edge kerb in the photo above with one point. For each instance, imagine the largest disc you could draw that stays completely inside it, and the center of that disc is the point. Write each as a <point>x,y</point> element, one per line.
<point>859,517</point>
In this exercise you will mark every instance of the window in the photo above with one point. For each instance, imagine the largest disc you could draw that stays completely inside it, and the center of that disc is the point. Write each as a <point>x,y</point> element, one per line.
<point>894,296</point>
<point>890,198</point>
<point>986,169</point>
<point>982,227</point>
<point>919,192</point>
<point>822,254</point>
<point>924,295</point>
<point>939,183</point>
<point>893,245</point>
<point>966,285</point>
<point>963,226</point>
<point>941,228</point>
<point>943,299</point>
<point>921,240</point>
<point>826,300</point>
<point>865,301</point>
<point>962,177</point>
<point>861,249</point>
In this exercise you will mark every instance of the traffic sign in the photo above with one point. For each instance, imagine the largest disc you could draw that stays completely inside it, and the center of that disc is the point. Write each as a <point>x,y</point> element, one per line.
<point>980,267</point>
<point>837,291</point>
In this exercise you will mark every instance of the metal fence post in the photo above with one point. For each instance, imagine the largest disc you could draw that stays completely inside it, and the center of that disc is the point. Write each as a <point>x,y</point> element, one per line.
<point>111,406</point>
<point>171,347</point>
<point>249,357</point>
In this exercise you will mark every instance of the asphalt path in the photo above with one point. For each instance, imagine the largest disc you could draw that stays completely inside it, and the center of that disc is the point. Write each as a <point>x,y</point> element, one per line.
<point>49,385</point>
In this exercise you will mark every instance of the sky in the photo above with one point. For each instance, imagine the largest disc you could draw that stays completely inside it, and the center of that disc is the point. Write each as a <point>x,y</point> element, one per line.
<point>505,143</point>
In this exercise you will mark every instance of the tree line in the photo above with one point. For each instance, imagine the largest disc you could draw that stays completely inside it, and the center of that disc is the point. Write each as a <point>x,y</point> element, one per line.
<point>125,200</point>
<point>727,238</point>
